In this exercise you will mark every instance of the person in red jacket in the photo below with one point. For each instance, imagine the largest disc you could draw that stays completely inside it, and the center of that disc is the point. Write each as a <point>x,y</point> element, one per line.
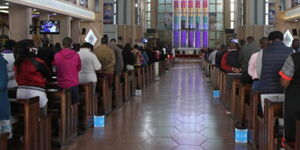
<point>230,59</point>
<point>31,73</point>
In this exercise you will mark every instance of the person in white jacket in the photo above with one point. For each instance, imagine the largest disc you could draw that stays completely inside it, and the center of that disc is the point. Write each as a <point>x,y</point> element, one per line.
<point>8,55</point>
<point>89,65</point>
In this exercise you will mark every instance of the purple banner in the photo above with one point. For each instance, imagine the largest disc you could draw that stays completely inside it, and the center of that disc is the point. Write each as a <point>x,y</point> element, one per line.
<point>198,39</point>
<point>183,38</point>
<point>176,39</point>
<point>191,38</point>
<point>205,39</point>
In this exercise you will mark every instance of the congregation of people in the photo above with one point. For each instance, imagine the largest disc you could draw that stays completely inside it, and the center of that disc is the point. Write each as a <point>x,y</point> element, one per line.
<point>269,66</point>
<point>30,66</point>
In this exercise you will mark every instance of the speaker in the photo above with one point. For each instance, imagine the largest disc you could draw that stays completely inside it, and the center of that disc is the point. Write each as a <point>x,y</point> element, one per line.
<point>120,38</point>
<point>83,31</point>
<point>295,33</point>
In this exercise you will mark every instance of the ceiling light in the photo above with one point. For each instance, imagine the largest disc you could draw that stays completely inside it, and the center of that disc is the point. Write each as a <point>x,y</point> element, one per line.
<point>136,5</point>
<point>3,7</point>
<point>4,11</point>
<point>296,20</point>
<point>6,3</point>
<point>34,9</point>
<point>54,14</point>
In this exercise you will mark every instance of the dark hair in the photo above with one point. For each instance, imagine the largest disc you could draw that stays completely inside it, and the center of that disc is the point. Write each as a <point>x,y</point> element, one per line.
<point>263,38</point>
<point>87,45</point>
<point>136,46</point>
<point>10,44</point>
<point>76,47</point>
<point>113,40</point>
<point>67,42</point>
<point>104,40</point>
<point>127,47</point>
<point>45,42</point>
<point>250,39</point>
<point>21,51</point>
<point>275,35</point>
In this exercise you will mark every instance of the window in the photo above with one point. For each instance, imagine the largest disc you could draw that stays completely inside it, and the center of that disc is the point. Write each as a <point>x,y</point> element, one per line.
<point>266,12</point>
<point>148,14</point>
<point>115,12</point>
<point>232,13</point>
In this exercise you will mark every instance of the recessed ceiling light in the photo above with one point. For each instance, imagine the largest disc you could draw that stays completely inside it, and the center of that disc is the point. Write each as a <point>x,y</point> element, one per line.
<point>6,3</point>
<point>4,11</point>
<point>136,5</point>
<point>3,7</point>
<point>54,14</point>
<point>296,20</point>
<point>34,9</point>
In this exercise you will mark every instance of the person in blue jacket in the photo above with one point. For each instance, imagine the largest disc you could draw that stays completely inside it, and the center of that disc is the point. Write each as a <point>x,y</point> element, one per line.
<point>5,114</point>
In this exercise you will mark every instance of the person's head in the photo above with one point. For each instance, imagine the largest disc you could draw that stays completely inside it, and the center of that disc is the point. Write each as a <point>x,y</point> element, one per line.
<point>104,41</point>
<point>250,39</point>
<point>127,47</point>
<point>45,42</point>
<point>113,41</point>
<point>9,44</point>
<point>76,47</point>
<point>67,42</point>
<point>223,47</point>
<point>24,49</point>
<point>263,42</point>
<point>275,36</point>
<point>87,45</point>
<point>57,45</point>
<point>234,44</point>
<point>295,44</point>
<point>135,46</point>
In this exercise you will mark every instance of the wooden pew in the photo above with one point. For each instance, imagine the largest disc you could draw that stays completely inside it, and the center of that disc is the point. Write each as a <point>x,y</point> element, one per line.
<point>251,116</point>
<point>152,72</point>
<point>65,116</point>
<point>87,105</point>
<point>139,78</point>
<point>117,92</point>
<point>144,76</point>
<point>105,95</point>
<point>132,82</point>
<point>272,110</point>
<point>126,86</point>
<point>3,141</point>
<point>35,129</point>
<point>242,100</point>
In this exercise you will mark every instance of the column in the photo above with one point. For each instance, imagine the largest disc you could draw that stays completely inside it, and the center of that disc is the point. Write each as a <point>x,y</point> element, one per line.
<point>75,28</point>
<point>65,29</point>
<point>20,19</point>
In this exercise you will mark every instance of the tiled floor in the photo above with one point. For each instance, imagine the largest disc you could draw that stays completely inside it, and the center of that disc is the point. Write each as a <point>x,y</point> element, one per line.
<point>175,113</point>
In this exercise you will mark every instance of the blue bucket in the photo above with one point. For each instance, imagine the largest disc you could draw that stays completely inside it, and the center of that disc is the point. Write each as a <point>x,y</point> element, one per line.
<point>216,93</point>
<point>99,121</point>
<point>241,135</point>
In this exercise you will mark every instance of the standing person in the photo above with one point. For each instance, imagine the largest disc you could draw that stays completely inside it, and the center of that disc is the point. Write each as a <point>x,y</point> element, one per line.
<point>138,55</point>
<point>254,65</point>
<point>107,59</point>
<point>45,53</point>
<point>5,114</point>
<point>68,65</point>
<point>8,55</point>
<point>128,57</point>
<point>290,80</point>
<point>89,65</point>
<point>273,58</point>
<point>118,56</point>
<point>219,55</point>
<point>31,73</point>
<point>296,45</point>
<point>246,52</point>
<point>56,48</point>
<point>212,56</point>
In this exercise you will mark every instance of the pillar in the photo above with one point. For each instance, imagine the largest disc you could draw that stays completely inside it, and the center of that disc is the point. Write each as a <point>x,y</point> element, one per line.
<point>75,28</point>
<point>20,19</point>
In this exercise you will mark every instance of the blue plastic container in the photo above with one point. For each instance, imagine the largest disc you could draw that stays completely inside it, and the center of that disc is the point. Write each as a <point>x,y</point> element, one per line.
<point>216,93</point>
<point>99,121</point>
<point>241,135</point>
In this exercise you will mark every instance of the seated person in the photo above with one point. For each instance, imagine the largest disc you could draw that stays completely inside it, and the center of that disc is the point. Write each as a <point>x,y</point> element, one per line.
<point>254,65</point>
<point>68,65</point>
<point>230,60</point>
<point>8,55</point>
<point>31,73</point>
<point>273,58</point>
<point>5,114</point>
<point>89,65</point>
<point>290,80</point>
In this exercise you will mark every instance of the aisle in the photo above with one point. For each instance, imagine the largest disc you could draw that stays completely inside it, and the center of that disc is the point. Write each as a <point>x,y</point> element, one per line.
<point>175,113</point>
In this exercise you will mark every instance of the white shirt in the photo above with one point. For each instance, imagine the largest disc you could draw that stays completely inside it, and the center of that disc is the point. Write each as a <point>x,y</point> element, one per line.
<point>212,57</point>
<point>89,65</point>
<point>9,57</point>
